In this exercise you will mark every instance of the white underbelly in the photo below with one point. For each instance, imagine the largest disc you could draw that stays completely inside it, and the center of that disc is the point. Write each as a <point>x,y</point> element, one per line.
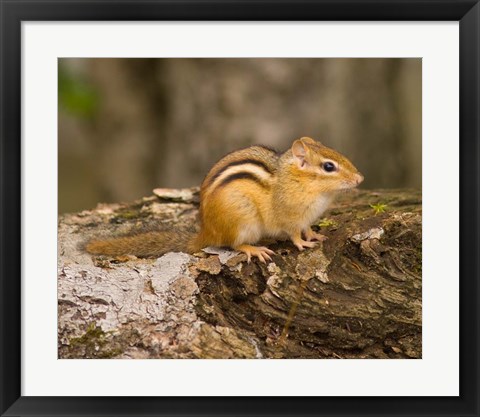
<point>318,207</point>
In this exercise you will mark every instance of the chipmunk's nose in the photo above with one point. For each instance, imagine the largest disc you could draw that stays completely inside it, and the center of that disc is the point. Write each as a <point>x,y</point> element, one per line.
<point>358,178</point>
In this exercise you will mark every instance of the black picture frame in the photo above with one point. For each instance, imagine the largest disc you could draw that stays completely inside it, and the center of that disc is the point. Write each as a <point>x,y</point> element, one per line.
<point>467,12</point>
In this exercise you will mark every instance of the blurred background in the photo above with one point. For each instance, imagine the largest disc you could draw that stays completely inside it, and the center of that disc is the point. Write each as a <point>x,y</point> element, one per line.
<point>127,126</point>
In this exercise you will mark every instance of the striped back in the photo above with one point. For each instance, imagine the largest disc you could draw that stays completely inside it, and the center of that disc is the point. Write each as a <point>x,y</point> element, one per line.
<point>256,163</point>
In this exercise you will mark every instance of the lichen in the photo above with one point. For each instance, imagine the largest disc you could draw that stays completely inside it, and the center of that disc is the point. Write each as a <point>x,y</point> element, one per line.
<point>95,343</point>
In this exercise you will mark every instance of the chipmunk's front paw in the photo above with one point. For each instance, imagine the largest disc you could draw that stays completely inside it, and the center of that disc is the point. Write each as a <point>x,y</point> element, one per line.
<point>311,235</point>
<point>302,244</point>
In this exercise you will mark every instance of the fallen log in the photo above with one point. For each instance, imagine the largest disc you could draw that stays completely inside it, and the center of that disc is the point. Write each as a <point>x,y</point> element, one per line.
<point>356,295</point>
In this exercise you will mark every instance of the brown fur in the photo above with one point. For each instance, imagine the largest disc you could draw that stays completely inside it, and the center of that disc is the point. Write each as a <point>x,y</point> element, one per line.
<point>250,194</point>
<point>144,245</point>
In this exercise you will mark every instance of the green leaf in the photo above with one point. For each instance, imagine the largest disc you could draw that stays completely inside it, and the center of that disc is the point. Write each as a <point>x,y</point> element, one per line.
<point>76,95</point>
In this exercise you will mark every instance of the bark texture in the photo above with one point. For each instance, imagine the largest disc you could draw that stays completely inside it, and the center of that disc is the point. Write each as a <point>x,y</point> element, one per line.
<point>356,295</point>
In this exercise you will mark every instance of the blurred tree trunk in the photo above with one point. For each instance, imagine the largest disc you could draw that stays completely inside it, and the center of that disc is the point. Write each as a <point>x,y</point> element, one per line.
<point>128,144</point>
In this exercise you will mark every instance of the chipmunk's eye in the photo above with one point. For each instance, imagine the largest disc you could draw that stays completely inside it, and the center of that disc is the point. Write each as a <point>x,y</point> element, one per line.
<point>329,167</point>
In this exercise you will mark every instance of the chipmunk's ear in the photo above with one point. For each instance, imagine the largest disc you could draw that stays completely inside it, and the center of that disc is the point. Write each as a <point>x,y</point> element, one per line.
<point>299,152</point>
<point>308,140</point>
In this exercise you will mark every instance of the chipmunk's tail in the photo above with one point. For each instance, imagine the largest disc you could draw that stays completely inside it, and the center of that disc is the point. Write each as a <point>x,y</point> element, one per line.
<point>145,245</point>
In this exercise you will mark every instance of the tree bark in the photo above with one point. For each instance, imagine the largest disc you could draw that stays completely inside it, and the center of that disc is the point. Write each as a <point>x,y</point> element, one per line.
<point>356,295</point>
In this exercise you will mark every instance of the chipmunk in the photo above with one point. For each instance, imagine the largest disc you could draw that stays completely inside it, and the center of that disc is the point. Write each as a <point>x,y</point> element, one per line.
<point>251,194</point>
